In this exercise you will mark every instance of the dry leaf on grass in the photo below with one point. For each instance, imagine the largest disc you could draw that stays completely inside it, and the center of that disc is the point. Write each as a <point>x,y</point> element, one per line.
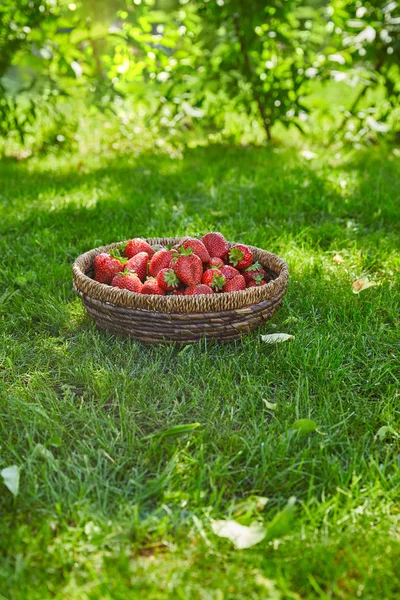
<point>10,477</point>
<point>240,535</point>
<point>270,405</point>
<point>362,284</point>
<point>276,338</point>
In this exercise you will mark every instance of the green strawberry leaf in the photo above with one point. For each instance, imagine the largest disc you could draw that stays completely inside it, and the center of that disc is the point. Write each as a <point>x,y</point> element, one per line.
<point>235,255</point>
<point>254,267</point>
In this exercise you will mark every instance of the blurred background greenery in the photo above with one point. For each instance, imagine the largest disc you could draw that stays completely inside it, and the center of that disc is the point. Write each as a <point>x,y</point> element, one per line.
<point>101,75</point>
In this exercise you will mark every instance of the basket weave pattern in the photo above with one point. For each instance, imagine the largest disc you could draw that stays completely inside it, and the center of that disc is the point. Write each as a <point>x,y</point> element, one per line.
<point>182,319</point>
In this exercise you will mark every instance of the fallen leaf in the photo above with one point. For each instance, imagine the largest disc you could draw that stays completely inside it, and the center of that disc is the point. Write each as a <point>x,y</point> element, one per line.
<point>10,477</point>
<point>276,338</point>
<point>305,425</point>
<point>281,524</point>
<point>270,405</point>
<point>308,155</point>
<point>240,535</point>
<point>55,441</point>
<point>175,431</point>
<point>385,432</point>
<point>40,450</point>
<point>338,259</point>
<point>362,284</point>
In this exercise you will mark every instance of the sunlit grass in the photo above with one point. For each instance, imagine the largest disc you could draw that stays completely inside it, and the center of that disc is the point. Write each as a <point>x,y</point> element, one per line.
<point>104,510</point>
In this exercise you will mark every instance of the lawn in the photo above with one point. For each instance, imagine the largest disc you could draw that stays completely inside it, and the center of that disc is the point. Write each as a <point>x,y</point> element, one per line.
<point>107,510</point>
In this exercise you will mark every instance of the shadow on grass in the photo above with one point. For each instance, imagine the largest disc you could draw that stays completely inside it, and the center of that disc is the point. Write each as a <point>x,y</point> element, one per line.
<point>254,193</point>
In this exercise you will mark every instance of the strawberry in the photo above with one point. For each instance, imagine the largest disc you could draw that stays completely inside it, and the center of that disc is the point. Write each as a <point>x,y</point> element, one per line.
<point>137,245</point>
<point>214,278</point>
<point>240,256</point>
<point>199,288</point>
<point>256,282</point>
<point>106,266</point>
<point>128,280</point>
<point>151,287</point>
<point>161,260</point>
<point>167,280</point>
<point>229,272</point>
<point>216,244</point>
<point>198,248</point>
<point>253,271</point>
<point>188,267</point>
<point>180,291</point>
<point>139,263</point>
<point>215,263</point>
<point>235,284</point>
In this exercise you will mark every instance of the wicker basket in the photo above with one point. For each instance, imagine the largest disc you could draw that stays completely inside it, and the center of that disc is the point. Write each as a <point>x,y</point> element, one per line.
<point>183,319</point>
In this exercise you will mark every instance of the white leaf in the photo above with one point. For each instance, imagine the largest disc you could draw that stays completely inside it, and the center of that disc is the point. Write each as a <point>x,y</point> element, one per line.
<point>240,535</point>
<point>362,284</point>
<point>10,477</point>
<point>276,338</point>
<point>308,155</point>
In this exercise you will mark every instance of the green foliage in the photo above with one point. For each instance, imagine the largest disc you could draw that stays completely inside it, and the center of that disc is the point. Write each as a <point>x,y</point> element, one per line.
<point>196,65</point>
<point>366,45</point>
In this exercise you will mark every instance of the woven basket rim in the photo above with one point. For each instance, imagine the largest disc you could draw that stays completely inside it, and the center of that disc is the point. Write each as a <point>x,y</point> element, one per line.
<point>179,304</point>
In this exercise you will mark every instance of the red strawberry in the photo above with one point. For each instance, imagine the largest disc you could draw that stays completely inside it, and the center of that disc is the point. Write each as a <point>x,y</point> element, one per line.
<point>255,270</point>
<point>106,266</point>
<point>215,263</point>
<point>235,284</point>
<point>216,244</point>
<point>214,278</point>
<point>198,248</point>
<point>151,287</point>
<point>256,283</point>
<point>167,280</point>
<point>128,280</point>
<point>180,291</point>
<point>188,267</point>
<point>240,256</point>
<point>161,260</point>
<point>139,263</point>
<point>196,290</point>
<point>229,272</point>
<point>137,245</point>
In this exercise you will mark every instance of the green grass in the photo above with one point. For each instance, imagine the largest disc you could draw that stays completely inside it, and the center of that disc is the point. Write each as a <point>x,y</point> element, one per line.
<point>108,511</point>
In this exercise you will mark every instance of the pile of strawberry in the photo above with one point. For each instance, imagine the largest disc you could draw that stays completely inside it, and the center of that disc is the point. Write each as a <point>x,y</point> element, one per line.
<point>190,268</point>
